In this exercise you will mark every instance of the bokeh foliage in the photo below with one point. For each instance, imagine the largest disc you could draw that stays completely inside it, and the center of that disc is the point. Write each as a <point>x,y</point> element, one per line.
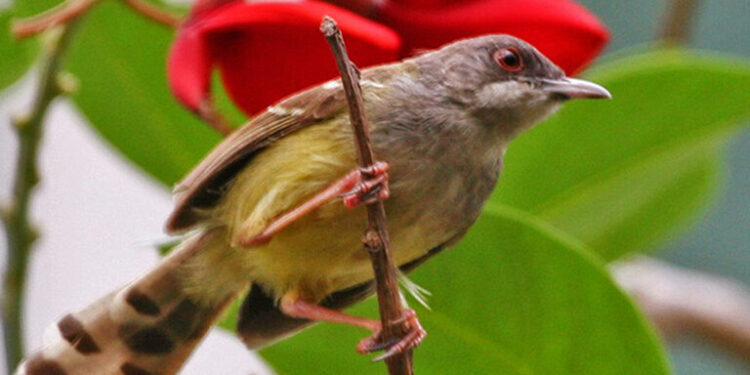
<point>623,174</point>
<point>518,297</point>
<point>527,291</point>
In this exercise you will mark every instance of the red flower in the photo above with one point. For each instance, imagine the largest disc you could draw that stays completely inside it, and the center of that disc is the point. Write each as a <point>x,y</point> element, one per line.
<point>268,50</point>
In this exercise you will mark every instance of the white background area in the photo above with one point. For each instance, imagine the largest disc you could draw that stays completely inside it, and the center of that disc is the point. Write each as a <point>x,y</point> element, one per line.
<point>99,219</point>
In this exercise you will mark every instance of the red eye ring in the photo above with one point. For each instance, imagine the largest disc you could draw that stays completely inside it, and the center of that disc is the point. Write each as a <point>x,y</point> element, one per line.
<point>509,58</point>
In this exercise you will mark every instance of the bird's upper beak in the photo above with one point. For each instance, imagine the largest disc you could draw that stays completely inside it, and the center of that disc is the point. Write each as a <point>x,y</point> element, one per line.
<point>575,88</point>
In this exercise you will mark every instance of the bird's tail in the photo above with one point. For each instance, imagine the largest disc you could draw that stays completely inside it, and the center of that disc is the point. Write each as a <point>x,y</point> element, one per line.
<point>148,327</point>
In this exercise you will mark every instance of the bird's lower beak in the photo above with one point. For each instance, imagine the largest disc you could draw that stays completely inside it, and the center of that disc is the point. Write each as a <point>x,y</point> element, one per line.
<point>575,88</point>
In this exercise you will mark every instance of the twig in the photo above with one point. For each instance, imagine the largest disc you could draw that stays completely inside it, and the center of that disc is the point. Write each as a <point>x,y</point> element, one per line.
<point>375,240</point>
<point>677,22</point>
<point>208,112</point>
<point>72,9</point>
<point>19,232</point>
<point>58,15</point>
<point>154,12</point>
<point>680,301</point>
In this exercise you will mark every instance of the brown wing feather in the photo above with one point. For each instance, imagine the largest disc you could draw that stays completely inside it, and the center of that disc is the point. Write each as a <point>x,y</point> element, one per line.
<point>203,186</point>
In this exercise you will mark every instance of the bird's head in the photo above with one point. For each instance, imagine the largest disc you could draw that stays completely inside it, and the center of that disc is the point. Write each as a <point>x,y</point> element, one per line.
<point>504,82</point>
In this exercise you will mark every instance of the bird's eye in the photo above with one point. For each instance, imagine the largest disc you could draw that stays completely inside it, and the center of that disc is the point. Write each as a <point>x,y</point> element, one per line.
<point>509,58</point>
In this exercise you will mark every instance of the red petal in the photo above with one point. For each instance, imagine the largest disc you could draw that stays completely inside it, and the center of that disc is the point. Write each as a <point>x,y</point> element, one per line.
<point>189,62</point>
<point>201,6</point>
<point>189,68</point>
<point>425,3</point>
<point>563,30</point>
<point>268,50</point>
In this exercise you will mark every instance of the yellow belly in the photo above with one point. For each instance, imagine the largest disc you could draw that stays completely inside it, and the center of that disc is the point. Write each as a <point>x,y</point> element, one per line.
<point>322,252</point>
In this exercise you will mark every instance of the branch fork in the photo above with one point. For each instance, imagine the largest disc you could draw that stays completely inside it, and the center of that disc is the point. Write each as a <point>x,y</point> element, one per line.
<point>72,9</point>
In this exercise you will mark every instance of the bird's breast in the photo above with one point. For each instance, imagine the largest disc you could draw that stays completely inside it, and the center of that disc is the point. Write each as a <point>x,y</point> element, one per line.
<point>437,191</point>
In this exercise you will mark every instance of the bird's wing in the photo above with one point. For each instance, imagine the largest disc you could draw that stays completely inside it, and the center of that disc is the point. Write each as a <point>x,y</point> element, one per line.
<point>204,185</point>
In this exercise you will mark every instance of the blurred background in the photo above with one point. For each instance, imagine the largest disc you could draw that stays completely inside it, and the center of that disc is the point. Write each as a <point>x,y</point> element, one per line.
<point>84,181</point>
<point>719,242</point>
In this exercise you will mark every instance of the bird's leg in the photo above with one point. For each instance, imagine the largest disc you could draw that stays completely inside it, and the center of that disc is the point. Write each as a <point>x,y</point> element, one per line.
<point>363,185</point>
<point>413,337</point>
<point>295,307</point>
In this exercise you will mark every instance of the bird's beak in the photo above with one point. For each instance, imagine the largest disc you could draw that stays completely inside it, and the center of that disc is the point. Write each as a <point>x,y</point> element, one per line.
<point>575,88</point>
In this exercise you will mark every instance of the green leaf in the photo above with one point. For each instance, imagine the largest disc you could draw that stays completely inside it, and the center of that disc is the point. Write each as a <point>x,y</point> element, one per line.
<point>29,8</point>
<point>16,55</point>
<point>516,297</point>
<point>621,175</point>
<point>120,59</point>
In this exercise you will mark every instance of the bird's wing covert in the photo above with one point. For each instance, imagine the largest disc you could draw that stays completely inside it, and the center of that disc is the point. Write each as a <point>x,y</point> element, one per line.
<point>204,185</point>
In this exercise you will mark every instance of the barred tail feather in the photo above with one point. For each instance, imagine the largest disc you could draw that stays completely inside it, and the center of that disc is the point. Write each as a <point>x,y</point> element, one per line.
<point>147,327</point>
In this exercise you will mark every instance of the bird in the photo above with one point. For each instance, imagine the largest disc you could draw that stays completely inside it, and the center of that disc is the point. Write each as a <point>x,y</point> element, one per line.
<point>275,212</point>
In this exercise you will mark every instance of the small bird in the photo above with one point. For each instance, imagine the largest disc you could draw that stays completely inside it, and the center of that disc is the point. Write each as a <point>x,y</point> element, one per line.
<point>262,214</point>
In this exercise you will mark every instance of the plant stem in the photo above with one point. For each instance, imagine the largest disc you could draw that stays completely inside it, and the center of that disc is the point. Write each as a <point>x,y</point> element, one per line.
<point>376,241</point>
<point>71,9</point>
<point>213,118</point>
<point>56,16</point>
<point>677,22</point>
<point>154,13</point>
<point>15,215</point>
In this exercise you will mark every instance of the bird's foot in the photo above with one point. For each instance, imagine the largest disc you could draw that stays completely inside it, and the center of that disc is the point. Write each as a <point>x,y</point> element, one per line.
<point>371,185</point>
<point>411,339</point>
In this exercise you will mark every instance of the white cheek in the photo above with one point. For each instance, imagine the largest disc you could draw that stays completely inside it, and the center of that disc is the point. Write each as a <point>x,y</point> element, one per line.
<point>510,94</point>
<point>517,105</point>
<point>515,99</point>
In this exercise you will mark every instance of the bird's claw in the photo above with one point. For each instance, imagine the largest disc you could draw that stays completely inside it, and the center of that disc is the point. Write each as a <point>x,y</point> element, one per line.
<point>411,339</point>
<point>372,186</point>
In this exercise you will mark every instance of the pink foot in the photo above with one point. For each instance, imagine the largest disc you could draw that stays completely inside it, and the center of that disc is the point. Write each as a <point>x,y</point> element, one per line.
<point>371,186</point>
<point>412,339</point>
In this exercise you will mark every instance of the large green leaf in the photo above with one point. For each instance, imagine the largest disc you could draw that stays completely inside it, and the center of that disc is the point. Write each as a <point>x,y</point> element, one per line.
<point>120,59</point>
<point>516,297</point>
<point>621,175</point>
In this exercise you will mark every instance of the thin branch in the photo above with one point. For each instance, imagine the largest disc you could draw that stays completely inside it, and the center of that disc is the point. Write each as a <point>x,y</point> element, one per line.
<point>56,16</point>
<point>19,232</point>
<point>208,112</point>
<point>71,9</point>
<point>678,21</point>
<point>680,301</point>
<point>376,241</point>
<point>154,12</point>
